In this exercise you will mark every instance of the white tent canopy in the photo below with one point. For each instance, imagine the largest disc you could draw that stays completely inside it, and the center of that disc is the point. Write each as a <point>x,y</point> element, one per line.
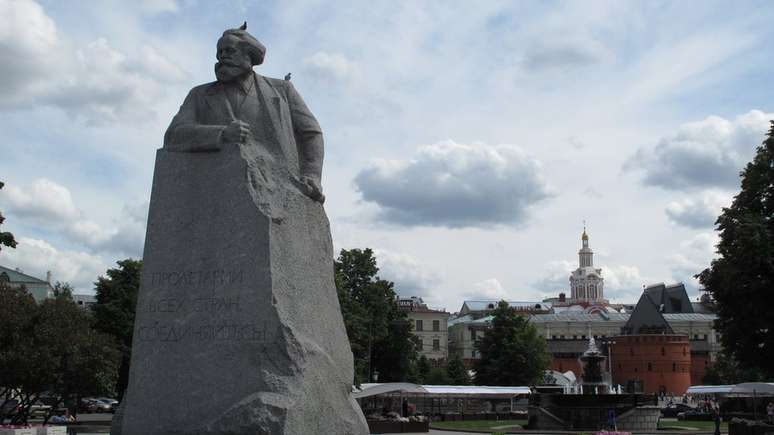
<point>367,390</point>
<point>750,388</point>
<point>744,389</point>
<point>709,389</point>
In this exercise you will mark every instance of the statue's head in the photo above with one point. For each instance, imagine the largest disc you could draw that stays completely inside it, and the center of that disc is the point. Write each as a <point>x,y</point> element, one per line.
<point>237,52</point>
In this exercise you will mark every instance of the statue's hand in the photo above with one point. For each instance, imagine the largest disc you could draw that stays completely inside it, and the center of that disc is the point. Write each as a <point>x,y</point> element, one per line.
<point>313,189</point>
<point>236,132</point>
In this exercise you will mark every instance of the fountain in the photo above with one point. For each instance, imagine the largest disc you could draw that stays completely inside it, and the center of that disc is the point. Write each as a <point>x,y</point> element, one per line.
<point>598,406</point>
<point>592,362</point>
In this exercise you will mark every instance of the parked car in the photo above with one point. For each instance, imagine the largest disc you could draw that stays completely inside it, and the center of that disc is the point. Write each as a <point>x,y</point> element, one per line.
<point>103,406</point>
<point>39,409</point>
<point>113,403</point>
<point>87,405</point>
<point>673,409</point>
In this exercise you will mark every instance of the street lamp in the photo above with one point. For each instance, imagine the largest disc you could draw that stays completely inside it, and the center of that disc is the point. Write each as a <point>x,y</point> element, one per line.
<point>609,344</point>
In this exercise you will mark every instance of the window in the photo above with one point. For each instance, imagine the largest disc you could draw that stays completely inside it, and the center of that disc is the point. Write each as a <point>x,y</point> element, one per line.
<point>650,367</point>
<point>420,345</point>
<point>436,344</point>
<point>674,367</point>
<point>663,351</point>
<point>684,352</point>
<point>473,334</point>
<point>420,327</point>
<point>436,325</point>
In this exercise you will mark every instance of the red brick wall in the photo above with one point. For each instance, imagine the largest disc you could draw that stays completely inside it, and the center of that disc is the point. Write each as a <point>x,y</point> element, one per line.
<point>660,361</point>
<point>699,363</point>
<point>563,364</point>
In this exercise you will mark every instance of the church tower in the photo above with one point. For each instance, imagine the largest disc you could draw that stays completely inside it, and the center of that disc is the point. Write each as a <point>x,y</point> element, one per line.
<point>586,282</point>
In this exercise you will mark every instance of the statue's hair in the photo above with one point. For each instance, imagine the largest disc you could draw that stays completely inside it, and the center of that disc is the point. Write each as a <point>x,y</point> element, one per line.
<point>248,43</point>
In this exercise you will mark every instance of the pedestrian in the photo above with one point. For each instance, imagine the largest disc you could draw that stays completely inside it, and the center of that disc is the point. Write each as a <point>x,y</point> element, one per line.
<point>770,412</point>
<point>716,415</point>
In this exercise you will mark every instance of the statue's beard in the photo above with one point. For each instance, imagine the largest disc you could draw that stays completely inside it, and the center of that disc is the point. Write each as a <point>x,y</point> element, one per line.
<point>226,72</point>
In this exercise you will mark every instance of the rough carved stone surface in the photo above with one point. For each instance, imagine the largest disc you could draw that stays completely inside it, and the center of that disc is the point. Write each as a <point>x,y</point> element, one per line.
<point>238,326</point>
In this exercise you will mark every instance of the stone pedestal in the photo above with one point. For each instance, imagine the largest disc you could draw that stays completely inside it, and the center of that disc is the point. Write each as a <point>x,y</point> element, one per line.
<point>238,327</point>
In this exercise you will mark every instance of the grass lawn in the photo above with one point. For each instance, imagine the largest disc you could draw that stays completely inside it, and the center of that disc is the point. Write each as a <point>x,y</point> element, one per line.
<point>480,424</point>
<point>675,424</point>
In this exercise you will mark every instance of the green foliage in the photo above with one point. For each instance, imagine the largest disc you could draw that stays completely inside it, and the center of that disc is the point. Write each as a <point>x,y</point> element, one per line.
<point>727,371</point>
<point>63,290</point>
<point>512,352</point>
<point>741,279</point>
<point>50,348</point>
<point>438,376</point>
<point>6,238</point>
<point>423,369</point>
<point>379,332</point>
<point>115,310</point>
<point>458,374</point>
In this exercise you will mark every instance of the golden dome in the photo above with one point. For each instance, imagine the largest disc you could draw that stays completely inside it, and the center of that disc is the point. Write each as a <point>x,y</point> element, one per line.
<point>584,236</point>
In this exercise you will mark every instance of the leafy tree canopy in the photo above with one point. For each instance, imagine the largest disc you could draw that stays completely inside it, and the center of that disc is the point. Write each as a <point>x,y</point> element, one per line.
<point>379,332</point>
<point>458,374</point>
<point>741,279</point>
<point>512,351</point>
<point>115,310</point>
<point>727,371</point>
<point>6,238</point>
<point>49,348</point>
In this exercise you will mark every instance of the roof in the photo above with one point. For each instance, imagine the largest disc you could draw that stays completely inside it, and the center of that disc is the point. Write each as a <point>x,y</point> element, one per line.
<point>669,298</point>
<point>709,389</point>
<point>579,316</point>
<point>482,305</point>
<point>753,388</point>
<point>646,319</point>
<point>15,276</point>
<point>367,390</point>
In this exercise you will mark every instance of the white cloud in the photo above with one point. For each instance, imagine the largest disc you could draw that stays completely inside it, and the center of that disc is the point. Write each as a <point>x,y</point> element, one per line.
<point>563,52</point>
<point>555,278</point>
<point>486,289</point>
<point>698,212</point>
<point>44,201</point>
<point>694,256</point>
<point>29,43</point>
<point>96,82</point>
<point>330,66</point>
<point>36,257</point>
<point>623,283</point>
<point>410,277</point>
<point>456,185</point>
<point>50,205</point>
<point>706,153</point>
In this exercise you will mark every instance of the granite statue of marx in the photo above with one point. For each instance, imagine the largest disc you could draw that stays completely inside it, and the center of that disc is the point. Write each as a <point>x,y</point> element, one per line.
<point>238,328</point>
<point>243,107</point>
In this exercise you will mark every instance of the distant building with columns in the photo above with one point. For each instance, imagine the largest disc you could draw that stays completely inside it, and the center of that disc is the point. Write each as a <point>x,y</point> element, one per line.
<point>586,282</point>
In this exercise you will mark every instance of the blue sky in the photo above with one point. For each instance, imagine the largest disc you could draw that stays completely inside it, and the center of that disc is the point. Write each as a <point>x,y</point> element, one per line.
<point>465,143</point>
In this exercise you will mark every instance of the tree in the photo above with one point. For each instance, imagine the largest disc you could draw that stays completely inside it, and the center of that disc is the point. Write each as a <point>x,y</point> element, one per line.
<point>438,376</point>
<point>741,279</point>
<point>458,374</point>
<point>49,348</point>
<point>512,351</point>
<point>379,332</point>
<point>114,311</point>
<point>423,369</point>
<point>6,238</point>
<point>727,371</point>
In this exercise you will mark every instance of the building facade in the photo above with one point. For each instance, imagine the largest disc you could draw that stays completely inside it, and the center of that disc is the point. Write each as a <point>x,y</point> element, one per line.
<point>38,288</point>
<point>472,322</point>
<point>586,282</point>
<point>430,327</point>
